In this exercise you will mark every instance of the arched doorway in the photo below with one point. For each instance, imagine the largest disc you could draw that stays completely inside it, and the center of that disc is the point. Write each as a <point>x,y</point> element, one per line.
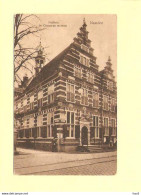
<point>84,136</point>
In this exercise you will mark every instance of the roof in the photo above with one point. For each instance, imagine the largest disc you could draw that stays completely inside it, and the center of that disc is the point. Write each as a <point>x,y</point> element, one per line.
<point>48,69</point>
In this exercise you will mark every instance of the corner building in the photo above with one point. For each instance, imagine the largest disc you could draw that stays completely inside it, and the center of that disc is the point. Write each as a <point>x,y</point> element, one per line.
<point>68,99</point>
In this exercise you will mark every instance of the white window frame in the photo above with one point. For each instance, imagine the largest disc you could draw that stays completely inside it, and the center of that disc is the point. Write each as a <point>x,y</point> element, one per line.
<point>96,127</point>
<point>70,124</point>
<point>113,127</point>
<point>90,77</point>
<point>50,126</point>
<point>83,95</point>
<point>106,127</point>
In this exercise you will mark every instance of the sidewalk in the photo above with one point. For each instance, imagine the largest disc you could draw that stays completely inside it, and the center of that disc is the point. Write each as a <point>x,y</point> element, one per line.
<point>32,161</point>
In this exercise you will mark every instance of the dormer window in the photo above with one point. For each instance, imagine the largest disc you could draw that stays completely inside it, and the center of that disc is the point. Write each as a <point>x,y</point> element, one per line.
<point>85,48</point>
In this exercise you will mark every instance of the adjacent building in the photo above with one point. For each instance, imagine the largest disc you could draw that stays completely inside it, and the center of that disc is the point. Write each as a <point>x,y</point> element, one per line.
<point>68,99</point>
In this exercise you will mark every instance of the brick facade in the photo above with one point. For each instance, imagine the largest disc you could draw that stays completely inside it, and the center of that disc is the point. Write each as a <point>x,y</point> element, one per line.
<point>70,100</point>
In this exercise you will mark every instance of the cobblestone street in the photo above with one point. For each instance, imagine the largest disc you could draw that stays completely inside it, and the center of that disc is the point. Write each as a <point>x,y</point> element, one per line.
<point>105,168</point>
<point>30,162</point>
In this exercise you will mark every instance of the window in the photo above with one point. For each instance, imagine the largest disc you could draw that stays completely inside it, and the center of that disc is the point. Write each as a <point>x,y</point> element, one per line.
<point>95,99</point>
<point>34,132</point>
<point>31,122</point>
<point>70,124</point>
<point>27,133</point>
<point>40,99</point>
<point>39,120</point>
<point>40,103</point>
<point>70,92</point>
<point>105,102</point>
<point>31,106</point>
<point>19,107</point>
<point>84,60</point>
<point>51,98</point>
<point>110,85</point>
<point>21,133</point>
<point>85,48</point>
<point>96,126</point>
<point>106,126</point>
<point>50,123</point>
<point>90,77</point>
<point>32,102</point>
<point>113,125</point>
<point>44,132</point>
<point>24,122</point>
<point>25,105</point>
<point>113,106</point>
<point>51,94</point>
<point>84,97</point>
<point>77,72</point>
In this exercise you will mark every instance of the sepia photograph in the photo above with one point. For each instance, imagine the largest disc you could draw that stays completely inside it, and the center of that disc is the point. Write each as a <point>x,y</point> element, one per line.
<point>65,94</point>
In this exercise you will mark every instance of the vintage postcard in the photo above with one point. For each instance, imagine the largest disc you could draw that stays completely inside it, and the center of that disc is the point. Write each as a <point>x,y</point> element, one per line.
<point>65,94</point>
<point>70,96</point>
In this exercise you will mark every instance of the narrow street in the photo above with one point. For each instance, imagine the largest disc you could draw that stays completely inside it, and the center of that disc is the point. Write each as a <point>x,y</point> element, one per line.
<point>32,162</point>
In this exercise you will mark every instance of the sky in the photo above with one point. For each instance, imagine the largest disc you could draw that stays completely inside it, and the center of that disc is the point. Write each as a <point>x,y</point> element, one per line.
<point>61,30</point>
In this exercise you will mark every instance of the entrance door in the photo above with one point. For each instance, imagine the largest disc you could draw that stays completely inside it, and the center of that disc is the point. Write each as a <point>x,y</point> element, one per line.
<point>84,136</point>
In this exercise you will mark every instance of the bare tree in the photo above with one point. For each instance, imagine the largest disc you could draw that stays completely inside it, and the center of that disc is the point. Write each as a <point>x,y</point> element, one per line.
<point>23,56</point>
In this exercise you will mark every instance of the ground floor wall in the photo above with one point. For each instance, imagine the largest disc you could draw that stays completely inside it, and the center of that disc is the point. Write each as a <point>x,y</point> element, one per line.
<point>66,127</point>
